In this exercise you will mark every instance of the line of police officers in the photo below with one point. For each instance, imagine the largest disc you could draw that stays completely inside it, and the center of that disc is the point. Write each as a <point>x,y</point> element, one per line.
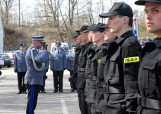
<point>116,76</point>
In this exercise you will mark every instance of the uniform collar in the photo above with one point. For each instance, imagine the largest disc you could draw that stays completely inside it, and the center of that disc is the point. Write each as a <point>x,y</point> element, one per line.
<point>124,36</point>
<point>157,42</point>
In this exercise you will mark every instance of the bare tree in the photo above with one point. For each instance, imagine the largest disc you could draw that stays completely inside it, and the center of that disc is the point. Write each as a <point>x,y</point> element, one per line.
<point>6,6</point>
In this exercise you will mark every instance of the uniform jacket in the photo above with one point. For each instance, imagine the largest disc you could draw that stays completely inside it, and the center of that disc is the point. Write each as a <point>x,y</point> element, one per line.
<point>150,73</point>
<point>58,61</point>
<point>91,74</point>
<point>70,60</point>
<point>19,61</point>
<point>121,71</point>
<point>47,62</point>
<point>34,74</point>
<point>82,59</point>
<point>73,78</point>
<point>99,101</point>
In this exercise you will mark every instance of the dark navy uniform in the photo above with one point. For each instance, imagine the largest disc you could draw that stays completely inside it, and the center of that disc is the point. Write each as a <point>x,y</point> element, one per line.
<point>20,68</point>
<point>90,74</point>
<point>35,61</point>
<point>81,79</point>
<point>58,65</point>
<point>120,75</point>
<point>149,80</point>
<point>101,60</point>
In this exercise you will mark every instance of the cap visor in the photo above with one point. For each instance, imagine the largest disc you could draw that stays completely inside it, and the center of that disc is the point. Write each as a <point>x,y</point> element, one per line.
<point>106,15</point>
<point>142,2</point>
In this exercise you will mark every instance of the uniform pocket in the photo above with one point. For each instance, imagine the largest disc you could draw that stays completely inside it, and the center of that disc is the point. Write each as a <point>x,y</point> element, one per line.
<point>149,74</point>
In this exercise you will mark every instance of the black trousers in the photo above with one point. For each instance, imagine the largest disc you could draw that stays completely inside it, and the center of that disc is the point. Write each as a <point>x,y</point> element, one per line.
<point>33,91</point>
<point>82,103</point>
<point>72,84</point>
<point>21,85</point>
<point>43,86</point>
<point>58,80</point>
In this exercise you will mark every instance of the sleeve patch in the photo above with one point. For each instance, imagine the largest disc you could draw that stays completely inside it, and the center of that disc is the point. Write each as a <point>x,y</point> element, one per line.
<point>134,59</point>
<point>99,61</point>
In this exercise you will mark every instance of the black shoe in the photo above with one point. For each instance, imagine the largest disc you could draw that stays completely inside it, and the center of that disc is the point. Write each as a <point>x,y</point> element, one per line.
<point>61,91</point>
<point>43,91</point>
<point>24,92</point>
<point>19,92</point>
<point>55,91</point>
<point>72,90</point>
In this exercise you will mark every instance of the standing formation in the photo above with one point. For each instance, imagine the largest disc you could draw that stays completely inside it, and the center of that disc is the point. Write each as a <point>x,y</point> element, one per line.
<point>109,69</point>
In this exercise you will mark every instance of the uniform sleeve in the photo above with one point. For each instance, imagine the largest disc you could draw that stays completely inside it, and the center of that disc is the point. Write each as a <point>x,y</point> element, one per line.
<point>15,62</point>
<point>131,60</point>
<point>65,61</point>
<point>51,61</point>
<point>47,62</point>
<point>39,57</point>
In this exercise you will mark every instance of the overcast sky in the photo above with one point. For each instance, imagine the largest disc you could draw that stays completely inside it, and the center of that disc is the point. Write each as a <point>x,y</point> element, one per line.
<point>30,4</point>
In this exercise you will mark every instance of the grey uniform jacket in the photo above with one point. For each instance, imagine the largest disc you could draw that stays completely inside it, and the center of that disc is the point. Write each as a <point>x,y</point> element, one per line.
<point>19,62</point>
<point>35,61</point>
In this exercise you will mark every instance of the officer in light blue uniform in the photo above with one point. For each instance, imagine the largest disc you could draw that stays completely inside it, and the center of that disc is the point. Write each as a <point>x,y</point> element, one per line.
<point>42,89</point>
<point>20,68</point>
<point>35,60</point>
<point>70,65</point>
<point>58,65</point>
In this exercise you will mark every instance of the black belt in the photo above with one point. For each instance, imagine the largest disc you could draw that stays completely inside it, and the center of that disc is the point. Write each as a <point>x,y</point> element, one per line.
<point>149,103</point>
<point>100,84</point>
<point>110,89</point>
<point>81,69</point>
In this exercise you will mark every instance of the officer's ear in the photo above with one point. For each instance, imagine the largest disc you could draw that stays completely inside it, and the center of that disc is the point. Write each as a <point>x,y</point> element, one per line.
<point>125,19</point>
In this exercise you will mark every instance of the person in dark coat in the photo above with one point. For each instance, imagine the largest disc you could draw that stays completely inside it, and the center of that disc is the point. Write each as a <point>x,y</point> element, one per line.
<point>82,59</point>
<point>20,68</point>
<point>73,77</point>
<point>122,62</point>
<point>97,36</point>
<point>149,80</point>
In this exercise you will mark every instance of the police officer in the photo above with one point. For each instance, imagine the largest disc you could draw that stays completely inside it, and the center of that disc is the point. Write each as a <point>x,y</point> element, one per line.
<point>35,61</point>
<point>57,65</point>
<point>20,68</point>
<point>73,77</point>
<point>149,80</point>
<point>70,65</point>
<point>42,89</point>
<point>123,58</point>
<point>91,65</point>
<point>81,79</point>
<point>101,61</point>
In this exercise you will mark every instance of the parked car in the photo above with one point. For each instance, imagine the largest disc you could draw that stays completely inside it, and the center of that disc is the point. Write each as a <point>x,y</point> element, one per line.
<point>11,55</point>
<point>1,62</point>
<point>7,61</point>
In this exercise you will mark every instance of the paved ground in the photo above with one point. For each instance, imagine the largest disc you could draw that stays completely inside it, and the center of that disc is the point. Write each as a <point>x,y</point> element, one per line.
<point>48,103</point>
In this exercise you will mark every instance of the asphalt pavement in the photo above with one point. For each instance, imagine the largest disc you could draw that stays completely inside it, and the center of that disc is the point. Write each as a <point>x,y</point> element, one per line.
<point>48,103</point>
